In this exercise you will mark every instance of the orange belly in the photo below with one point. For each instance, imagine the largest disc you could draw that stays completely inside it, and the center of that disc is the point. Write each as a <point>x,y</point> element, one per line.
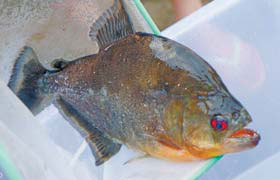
<point>167,152</point>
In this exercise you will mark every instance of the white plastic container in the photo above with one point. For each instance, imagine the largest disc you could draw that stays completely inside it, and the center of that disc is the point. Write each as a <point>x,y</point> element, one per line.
<point>46,146</point>
<point>240,39</point>
<point>26,150</point>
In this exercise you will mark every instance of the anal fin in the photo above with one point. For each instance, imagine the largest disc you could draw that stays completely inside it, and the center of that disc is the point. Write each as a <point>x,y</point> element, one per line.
<point>111,26</point>
<point>102,147</point>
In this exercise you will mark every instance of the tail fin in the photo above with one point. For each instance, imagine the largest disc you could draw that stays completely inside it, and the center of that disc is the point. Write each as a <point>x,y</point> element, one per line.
<point>24,80</point>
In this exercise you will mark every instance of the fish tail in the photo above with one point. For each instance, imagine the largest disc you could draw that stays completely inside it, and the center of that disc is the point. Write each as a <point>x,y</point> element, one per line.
<point>24,81</point>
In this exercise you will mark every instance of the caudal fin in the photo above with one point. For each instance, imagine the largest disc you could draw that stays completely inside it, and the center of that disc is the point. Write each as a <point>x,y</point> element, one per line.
<point>24,80</point>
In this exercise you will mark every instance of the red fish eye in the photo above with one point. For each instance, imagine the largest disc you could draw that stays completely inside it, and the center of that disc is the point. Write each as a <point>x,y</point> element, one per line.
<point>218,124</point>
<point>214,123</point>
<point>224,125</point>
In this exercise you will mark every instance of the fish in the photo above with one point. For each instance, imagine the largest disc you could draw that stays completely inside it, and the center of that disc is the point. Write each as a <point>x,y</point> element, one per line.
<point>140,90</point>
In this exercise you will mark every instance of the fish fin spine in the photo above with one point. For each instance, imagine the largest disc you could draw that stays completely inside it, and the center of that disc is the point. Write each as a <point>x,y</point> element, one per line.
<point>111,26</point>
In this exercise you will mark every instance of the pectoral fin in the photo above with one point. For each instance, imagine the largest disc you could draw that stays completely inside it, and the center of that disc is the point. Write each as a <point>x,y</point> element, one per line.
<point>102,147</point>
<point>137,158</point>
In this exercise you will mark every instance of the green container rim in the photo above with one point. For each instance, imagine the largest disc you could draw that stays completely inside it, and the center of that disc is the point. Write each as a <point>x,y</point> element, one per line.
<point>7,165</point>
<point>205,168</point>
<point>156,31</point>
<point>146,16</point>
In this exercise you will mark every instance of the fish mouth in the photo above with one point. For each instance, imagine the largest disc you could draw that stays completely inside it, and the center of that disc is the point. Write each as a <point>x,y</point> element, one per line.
<point>241,140</point>
<point>244,133</point>
<point>247,135</point>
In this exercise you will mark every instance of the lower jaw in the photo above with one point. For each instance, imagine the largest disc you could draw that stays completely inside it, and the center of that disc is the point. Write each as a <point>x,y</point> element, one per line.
<point>241,140</point>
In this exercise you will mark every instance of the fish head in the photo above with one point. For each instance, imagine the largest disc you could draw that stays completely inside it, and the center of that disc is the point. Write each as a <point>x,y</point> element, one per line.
<point>208,121</point>
<point>215,125</point>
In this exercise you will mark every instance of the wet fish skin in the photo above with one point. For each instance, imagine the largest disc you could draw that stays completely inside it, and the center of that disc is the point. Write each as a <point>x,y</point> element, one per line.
<point>157,97</point>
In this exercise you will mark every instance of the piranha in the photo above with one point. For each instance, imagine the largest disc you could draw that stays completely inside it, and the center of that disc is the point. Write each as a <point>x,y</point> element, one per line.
<point>141,90</point>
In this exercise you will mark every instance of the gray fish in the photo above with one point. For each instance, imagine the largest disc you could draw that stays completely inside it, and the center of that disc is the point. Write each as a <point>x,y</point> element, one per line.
<point>145,91</point>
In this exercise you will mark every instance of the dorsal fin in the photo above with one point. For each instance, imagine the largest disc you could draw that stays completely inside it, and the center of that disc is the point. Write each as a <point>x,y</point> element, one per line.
<point>113,25</point>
